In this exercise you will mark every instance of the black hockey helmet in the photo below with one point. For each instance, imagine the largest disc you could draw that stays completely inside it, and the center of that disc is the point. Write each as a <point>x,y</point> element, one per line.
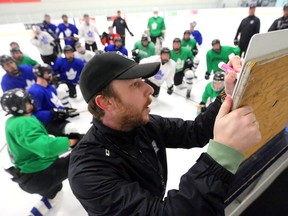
<point>218,76</point>
<point>186,32</point>
<point>177,40</point>
<point>40,69</point>
<point>215,41</point>
<point>68,48</point>
<point>285,7</point>
<point>144,37</point>
<point>165,50</point>
<point>14,101</point>
<point>5,58</point>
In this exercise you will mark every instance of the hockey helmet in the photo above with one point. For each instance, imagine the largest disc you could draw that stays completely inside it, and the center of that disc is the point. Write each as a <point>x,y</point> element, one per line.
<point>186,32</point>
<point>14,101</point>
<point>218,82</point>
<point>215,41</point>
<point>68,48</point>
<point>144,37</point>
<point>165,50</point>
<point>5,58</point>
<point>40,69</point>
<point>177,40</point>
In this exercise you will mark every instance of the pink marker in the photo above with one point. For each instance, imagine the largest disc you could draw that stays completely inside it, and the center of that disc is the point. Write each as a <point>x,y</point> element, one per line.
<point>226,68</point>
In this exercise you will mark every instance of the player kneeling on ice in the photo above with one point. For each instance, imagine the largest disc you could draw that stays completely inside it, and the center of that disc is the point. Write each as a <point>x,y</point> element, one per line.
<point>50,110</point>
<point>37,167</point>
<point>184,64</point>
<point>165,73</point>
<point>212,90</point>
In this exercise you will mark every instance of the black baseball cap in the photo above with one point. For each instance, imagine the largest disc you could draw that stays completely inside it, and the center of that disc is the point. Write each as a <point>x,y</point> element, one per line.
<point>104,68</point>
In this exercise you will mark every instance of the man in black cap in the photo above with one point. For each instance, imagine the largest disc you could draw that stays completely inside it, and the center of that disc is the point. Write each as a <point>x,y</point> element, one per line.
<point>120,167</point>
<point>282,22</point>
<point>247,28</point>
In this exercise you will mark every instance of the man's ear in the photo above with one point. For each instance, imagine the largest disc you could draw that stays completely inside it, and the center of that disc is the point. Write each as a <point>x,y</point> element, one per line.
<point>103,102</point>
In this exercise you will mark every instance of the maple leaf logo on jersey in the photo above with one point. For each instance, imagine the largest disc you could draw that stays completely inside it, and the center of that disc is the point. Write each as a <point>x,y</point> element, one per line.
<point>71,74</point>
<point>68,32</point>
<point>29,83</point>
<point>90,34</point>
<point>159,75</point>
<point>44,40</point>
<point>179,64</point>
<point>55,100</point>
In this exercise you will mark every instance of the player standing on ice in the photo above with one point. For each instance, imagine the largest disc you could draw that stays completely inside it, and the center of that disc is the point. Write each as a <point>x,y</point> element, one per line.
<point>156,29</point>
<point>69,31</point>
<point>165,73</point>
<point>87,31</point>
<point>247,28</point>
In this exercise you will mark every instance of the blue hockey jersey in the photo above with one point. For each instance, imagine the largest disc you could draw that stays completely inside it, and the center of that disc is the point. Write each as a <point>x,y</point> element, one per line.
<point>68,33</point>
<point>198,37</point>
<point>46,99</point>
<point>23,81</point>
<point>50,28</point>
<point>112,48</point>
<point>69,71</point>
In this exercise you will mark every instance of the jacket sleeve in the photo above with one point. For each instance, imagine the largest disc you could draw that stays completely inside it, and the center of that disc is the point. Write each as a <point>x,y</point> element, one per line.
<point>102,189</point>
<point>178,133</point>
<point>273,27</point>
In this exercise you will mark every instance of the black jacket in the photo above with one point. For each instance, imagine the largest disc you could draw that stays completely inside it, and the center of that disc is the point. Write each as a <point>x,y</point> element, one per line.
<point>120,24</point>
<point>278,24</point>
<point>247,28</point>
<point>125,173</point>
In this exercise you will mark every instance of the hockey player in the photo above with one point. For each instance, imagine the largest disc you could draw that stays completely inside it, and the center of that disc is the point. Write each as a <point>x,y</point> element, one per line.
<point>190,43</point>
<point>69,69</point>
<point>217,54</point>
<point>116,47</point>
<point>16,76</point>
<point>69,32</point>
<point>88,31</point>
<point>50,28</point>
<point>195,33</point>
<point>165,73</point>
<point>45,44</point>
<point>37,167</point>
<point>143,49</point>
<point>121,25</point>
<point>247,28</point>
<point>184,64</point>
<point>212,90</point>
<point>50,110</point>
<point>156,29</point>
<point>82,53</point>
<point>107,39</point>
<point>282,22</point>
<point>20,58</point>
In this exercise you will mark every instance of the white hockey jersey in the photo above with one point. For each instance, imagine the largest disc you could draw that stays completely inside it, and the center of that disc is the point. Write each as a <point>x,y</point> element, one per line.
<point>84,57</point>
<point>88,33</point>
<point>43,43</point>
<point>165,73</point>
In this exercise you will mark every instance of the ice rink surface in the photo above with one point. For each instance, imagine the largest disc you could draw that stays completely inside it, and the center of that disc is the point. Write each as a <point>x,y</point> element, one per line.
<point>212,23</point>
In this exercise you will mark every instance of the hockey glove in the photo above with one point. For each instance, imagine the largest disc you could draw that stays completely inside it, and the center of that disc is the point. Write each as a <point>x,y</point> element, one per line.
<point>170,90</point>
<point>236,42</point>
<point>59,114</point>
<point>194,52</point>
<point>203,106</point>
<point>188,64</point>
<point>71,112</point>
<point>134,52</point>
<point>207,75</point>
